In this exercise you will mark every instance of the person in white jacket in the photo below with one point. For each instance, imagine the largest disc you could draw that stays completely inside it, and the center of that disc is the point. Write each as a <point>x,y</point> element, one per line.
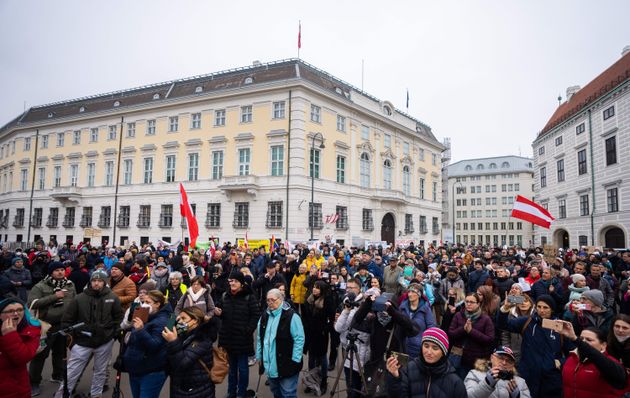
<point>496,378</point>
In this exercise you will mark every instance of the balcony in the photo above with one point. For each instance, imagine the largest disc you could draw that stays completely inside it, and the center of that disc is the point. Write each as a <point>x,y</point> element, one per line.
<point>231,184</point>
<point>387,195</point>
<point>66,194</point>
<point>52,222</point>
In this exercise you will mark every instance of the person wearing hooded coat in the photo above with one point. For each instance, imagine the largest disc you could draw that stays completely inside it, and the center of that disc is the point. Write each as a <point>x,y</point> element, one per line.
<point>416,306</point>
<point>20,277</point>
<point>161,277</point>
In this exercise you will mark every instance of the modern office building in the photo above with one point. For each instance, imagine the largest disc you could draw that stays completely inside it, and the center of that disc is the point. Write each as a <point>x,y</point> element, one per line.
<point>244,142</point>
<point>482,193</point>
<point>582,158</point>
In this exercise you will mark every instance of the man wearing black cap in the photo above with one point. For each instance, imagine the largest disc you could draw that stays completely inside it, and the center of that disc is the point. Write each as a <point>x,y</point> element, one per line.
<point>51,297</point>
<point>266,282</point>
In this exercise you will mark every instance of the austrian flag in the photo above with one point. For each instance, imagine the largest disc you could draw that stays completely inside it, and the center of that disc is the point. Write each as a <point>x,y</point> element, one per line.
<point>187,212</point>
<point>526,210</point>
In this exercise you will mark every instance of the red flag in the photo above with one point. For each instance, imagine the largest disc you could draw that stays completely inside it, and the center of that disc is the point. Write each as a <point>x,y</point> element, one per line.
<point>300,36</point>
<point>186,211</point>
<point>246,242</point>
<point>525,209</point>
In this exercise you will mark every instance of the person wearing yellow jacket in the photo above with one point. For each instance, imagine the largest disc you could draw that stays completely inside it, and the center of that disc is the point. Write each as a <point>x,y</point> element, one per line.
<point>298,290</point>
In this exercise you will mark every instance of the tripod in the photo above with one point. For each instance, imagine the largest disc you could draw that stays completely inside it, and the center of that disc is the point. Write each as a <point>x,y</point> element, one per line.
<point>351,352</point>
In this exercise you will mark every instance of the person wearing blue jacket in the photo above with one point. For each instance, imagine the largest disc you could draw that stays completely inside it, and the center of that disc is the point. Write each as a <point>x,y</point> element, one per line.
<point>478,276</point>
<point>418,309</point>
<point>543,351</point>
<point>145,355</point>
<point>548,285</point>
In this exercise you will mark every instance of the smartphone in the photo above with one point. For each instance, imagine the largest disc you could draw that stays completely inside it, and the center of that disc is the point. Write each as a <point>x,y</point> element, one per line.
<point>172,321</point>
<point>403,359</point>
<point>583,307</point>
<point>132,308</point>
<point>451,301</point>
<point>553,324</point>
<point>142,313</point>
<point>516,299</point>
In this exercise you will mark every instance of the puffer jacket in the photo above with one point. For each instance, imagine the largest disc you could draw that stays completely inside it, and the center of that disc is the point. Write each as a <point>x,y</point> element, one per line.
<point>188,378</point>
<point>145,351</point>
<point>298,290</point>
<point>423,318</point>
<point>239,317</point>
<point>100,311</point>
<point>126,291</point>
<point>419,380</point>
<point>16,350</point>
<point>22,275</point>
<point>42,298</point>
<point>363,342</point>
<point>477,384</point>
<point>478,343</point>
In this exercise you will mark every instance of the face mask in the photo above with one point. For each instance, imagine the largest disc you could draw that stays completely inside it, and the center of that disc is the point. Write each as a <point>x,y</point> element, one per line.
<point>621,339</point>
<point>181,327</point>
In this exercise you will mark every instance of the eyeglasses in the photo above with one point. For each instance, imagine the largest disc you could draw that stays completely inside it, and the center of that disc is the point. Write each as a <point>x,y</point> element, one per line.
<point>272,300</point>
<point>15,311</point>
<point>471,302</point>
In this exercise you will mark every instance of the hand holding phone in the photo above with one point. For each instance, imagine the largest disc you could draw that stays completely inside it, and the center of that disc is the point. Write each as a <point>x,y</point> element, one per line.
<point>403,359</point>
<point>554,324</point>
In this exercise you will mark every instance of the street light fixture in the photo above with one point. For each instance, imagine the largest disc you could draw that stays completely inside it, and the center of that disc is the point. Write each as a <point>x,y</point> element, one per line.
<point>312,206</point>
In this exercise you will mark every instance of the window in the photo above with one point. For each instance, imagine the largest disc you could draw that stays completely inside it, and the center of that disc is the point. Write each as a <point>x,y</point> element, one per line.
<point>612,200</point>
<point>53,217</point>
<point>244,157</point>
<point>277,160</point>
<point>151,127</point>
<point>18,222</point>
<point>219,117</point>
<point>341,123</point>
<point>421,188</point>
<point>541,150</point>
<point>195,121</point>
<point>611,151</point>
<point>278,110</point>
<point>387,141</point>
<point>124,216</point>
<point>560,167</point>
<point>580,128</point>
<point>274,215</point>
<point>517,187</point>
<point>148,170</point>
<point>44,144</point>
<point>365,170</point>
<point>584,211</point>
<point>27,144</point>
<point>434,158</point>
<point>60,139</point>
<point>105,217</point>
<point>609,112</point>
<point>57,176</point>
<point>217,165</point>
<point>213,215</point>
<point>342,220</point>
<point>365,132</point>
<point>76,137</point>
<point>421,154</point>
<point>42,178</point>
<point>558,140</point>
<point>406,181</point>
<point>241,215</point>
<point>74,175</point>
<point>173,124</point>
<point>127,171</point>
<point>166,216</point>
<point>144,217</point>
<point>387,174</point>
<point>68,218</point>
<point>316,114</point>
<point>193,166</point>
<point>423,225</point>
<point>562,208</point>
<point>341,169</point>
<point>409,224</point>
<point>582,168</point>
<point>91,174</point>
<point>246,114</point>
<point>170,168</point>
<point>367,222</point>
<point>405,148</point>
<point>86,217</point>
<point>314,163</point>
<point>503,187</point>
<point>111,135</point>
<point>543,177</point>
<point>435,191</point>
<point>131,130</point>
<point>315,215</point>
<point>38,213</point>
<point>436,226</point>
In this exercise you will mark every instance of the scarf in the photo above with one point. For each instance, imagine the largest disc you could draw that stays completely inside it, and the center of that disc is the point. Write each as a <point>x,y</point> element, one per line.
<point>195,296</point>
<point>160,272</point>
<point>473,316</point>
<point>316,302</point>
<point>56,284</point>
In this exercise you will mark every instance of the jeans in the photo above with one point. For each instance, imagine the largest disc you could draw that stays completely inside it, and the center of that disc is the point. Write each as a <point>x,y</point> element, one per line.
<point>148,385</point>
<point>284,387</point>
<point>238,376</point>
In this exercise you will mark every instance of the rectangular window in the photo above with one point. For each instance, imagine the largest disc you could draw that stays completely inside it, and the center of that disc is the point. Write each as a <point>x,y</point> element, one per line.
<point>148,170</point>
<point>421,154</point>
<point>436,226</point>
<point>387,141</point>
<point>217,165</point>
<point>543,177</point>
<point>166,216</point>
<point>27,144</point>
<point>246,114</point>
<point>560,167</point>
<point>278,110</point>
<point>213,215</point>
<point>193,166</point>
<point>541,150</point>
<point>76,137</point>
<point>421,188</point>
<point>111,135</point>
<point>342,219</point>
<point>612,200</point>
<point>61,137</point>
<point>274,215</point>
<point>68,218</point>
<point>105,218</point>
<point>558,140</point>
<point>151,127</point>
<point>109,173</point>
<point>314,163</point>
<point>406,181</point>
<point>74,175</point>
<point>315,216</point>
<point>405,148</point>
<point>584,210</point>
<point>409,224</point>
<point>86,217</point>
<point>435,191</point>
<point>611,151</point>
<point>609,112</point>
<point>127,171</point>
<point>170,168</point>
<point>582,168</point>
<point>195,121</point>
<point>219,117</point>
<point>241,215</point>
<point>367,222</point>
<point>244,158</point>
<point>277,160</point>
<point>41,178</point>
<point>38,213</point>
<point>131,130</point>
<point>364,170</point>
<point>173,124</point>
<point>517,187</point>
<point>341,123</point>
<point>53,217</point>
<point>365,132</point>
<point>341,169</point>
<point>94,134</point>
<point>580,128</point>
<point>44,144</point>
<point>423,225</point>
<point>144,217</point>
<point>316,114</point>
<point>57,176</point>
<point>434,158</point>
<point>562,208</point>
<point>124,216</point>
<point>91,174</point>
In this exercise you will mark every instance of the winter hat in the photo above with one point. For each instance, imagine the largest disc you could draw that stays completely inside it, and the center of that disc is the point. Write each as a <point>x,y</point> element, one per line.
<point>437,336</point>
<point>453,270</point>
<point>362,266</point>
<point>416,288</point>
<point>161,264</point>
<point>238,276</point>
<point>55,265</point>
<point>504,350</point>
<point>16,259</point>
<point>148,285</point>
<point>99,274</point>
<point>595,296</point>
<point>120,266</point>
<point>547,299</point>
<point>577,277</point>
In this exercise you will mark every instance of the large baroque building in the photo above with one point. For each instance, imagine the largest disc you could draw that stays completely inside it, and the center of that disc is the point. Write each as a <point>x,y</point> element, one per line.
<point>582,158</point>
<point>482,193</point>
<point>244,143</point>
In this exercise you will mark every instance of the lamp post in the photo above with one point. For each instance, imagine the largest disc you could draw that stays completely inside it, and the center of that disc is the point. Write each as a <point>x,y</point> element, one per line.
<point>312,206</point>
<point>453,206</point>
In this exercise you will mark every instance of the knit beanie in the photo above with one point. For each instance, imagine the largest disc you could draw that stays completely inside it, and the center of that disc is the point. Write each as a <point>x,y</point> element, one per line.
<point>595,296</point>
<point>16,259</point>
<point>99,274</point>
<point>416,288</point>
<point>577,277</point>
<point>238,276</point>
<point>54,265</point>
<point>437,336</point>
<point>120,266</point>
<point>547,299</point>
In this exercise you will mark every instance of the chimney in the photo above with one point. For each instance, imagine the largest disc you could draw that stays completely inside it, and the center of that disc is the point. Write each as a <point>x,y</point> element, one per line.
<point>571,91</point>
<point>625,50</point>
<point>256,63</point>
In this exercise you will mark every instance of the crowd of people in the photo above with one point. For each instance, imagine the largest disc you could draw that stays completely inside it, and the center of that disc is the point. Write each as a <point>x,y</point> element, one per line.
<point>412,322</point>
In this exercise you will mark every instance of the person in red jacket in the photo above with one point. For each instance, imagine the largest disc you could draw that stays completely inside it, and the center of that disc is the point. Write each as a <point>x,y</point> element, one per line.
<point>19,340</point>
<point>590,372</point>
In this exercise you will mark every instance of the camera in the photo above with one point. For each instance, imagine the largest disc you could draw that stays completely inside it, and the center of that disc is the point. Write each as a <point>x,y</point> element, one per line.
<point>349,300</point>
<point>505,375</point>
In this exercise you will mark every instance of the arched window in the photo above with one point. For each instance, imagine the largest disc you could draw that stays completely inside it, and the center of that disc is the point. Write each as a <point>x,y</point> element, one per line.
<point>365,170</point>
<point>387,174</point>
<point>480,167</point>
<point>406,180</point>
<point>468,168</point>
<point>505,165</point>
<point>493,165</point>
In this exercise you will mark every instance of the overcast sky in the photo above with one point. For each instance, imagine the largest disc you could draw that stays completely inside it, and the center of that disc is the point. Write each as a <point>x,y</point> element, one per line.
<point>485,73</point>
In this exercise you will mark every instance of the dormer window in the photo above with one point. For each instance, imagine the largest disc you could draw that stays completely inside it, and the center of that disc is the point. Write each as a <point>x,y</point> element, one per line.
<point>198,89</point>
<point>468,168</point>
<point>116,104</point>
<point>493,165</point>
<point>156,96</point>
<point>50,114</point>
<point>387,110</point>
<point>248,80</point>
<point>82,109</point>
<point>505,165</point>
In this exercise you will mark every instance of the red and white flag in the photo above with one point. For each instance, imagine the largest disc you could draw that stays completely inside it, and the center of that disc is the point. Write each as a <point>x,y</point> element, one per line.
<point>300,35</point>
<point>527,210</point>
<point>246,242</point>
<point>186,211</point>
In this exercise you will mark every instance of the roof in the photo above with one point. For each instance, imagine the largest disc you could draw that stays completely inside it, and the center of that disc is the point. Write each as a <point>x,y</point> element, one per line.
<point>492,165</point>
<point>612,77</point>
<point>198,85</point>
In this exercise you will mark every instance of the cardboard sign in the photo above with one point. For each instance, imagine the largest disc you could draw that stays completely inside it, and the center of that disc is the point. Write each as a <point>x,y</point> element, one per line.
<point>550,252</point>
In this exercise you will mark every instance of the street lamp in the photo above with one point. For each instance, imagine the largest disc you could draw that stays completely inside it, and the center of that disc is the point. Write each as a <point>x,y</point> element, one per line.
<point>312,206</point>
<point>453,205</point>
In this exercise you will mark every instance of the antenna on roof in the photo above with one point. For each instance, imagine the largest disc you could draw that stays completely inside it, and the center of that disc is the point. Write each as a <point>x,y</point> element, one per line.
<point>559,99</point>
